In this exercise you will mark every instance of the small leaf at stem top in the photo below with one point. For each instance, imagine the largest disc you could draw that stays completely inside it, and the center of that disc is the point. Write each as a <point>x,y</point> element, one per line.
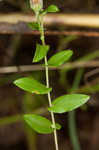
<point>59,58</point>
<point>68,102</point>
<point>31,85</point>
<point>41,52</point>
<point>52,8</point>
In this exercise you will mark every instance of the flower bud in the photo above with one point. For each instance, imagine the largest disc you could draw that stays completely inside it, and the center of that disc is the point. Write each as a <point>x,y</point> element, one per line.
<point>36,5</point>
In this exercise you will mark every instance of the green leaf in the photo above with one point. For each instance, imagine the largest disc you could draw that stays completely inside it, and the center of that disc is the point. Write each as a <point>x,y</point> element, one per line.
<point>59,58</point>
<point>41,52</point>
<point>33,26</point>
<point>31,85</point>
<point>39,123</point>
<point>68,103</point>
<point>51,8</point>
<point>58,126</point>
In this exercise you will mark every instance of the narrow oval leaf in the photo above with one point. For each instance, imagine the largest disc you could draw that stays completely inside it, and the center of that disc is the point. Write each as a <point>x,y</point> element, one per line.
<point>31,85</point>
<point>41,52</point>
<point>59,58</point>
<point>39,123</point>
<point>68,103</point>
<point>51,8</point>
<point>33,26</point>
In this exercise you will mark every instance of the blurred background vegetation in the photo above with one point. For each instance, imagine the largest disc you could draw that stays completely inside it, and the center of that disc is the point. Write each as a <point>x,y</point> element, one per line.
<point>80,129</point>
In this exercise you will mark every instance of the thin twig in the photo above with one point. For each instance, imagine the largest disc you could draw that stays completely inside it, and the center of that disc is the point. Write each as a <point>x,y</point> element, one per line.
<point>90,74</point>
<point>17,24</point>
<point>26,68</point>
<point>84,20</point>
<point>22,29</point>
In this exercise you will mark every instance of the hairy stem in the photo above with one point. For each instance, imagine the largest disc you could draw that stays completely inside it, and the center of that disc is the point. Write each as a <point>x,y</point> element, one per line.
<point>41,27</point>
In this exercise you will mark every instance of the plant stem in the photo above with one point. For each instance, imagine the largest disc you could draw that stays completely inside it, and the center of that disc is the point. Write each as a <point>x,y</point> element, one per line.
<point>50,104</point>
<point>41,27</point>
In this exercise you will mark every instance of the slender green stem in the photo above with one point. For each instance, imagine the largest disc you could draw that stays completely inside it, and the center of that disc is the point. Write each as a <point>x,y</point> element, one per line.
<point>50,104</point>
<point>41,27</point>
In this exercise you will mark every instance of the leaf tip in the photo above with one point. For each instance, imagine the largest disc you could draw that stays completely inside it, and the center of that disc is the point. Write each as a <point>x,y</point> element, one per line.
<point>50,89</point>
<point>87,97</point>
<point>34,60</point>
<point>15,82</point>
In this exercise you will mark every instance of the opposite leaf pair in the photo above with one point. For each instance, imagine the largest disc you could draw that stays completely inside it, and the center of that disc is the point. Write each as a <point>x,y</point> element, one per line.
<point>59,105</point>
<point>56,60</point>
